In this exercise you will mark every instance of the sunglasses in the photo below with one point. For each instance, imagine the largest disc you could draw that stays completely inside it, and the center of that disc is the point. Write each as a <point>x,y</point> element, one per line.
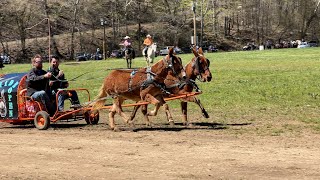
<point>38,62</point>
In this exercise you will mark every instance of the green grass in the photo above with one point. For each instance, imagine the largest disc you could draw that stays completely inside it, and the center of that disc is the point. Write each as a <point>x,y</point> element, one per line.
<point>247,87</point>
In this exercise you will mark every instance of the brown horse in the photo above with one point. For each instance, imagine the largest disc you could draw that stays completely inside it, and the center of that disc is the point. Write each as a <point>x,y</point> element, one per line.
<point>128,55</point>
<point>197,68</point>
<point>145,84</point>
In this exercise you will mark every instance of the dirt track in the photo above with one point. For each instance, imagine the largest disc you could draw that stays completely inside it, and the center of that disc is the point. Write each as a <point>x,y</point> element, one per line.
<point>205,151</point>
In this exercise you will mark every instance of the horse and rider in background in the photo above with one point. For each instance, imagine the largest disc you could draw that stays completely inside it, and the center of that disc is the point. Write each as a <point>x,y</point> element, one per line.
<point>149,50</point>
<point>128,51</point>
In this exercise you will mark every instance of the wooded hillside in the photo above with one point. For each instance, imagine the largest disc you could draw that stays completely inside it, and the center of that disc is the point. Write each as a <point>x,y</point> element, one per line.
<point>75,24</point>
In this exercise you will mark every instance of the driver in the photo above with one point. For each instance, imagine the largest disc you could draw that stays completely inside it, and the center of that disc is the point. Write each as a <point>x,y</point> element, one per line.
<point>37,84</point>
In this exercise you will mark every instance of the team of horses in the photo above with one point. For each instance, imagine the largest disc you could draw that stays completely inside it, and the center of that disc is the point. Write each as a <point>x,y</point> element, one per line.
<point>152,84</point>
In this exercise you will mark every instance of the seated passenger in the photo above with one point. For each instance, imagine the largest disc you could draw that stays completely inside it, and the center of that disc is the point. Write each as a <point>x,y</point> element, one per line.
<point>57,82</point>
<point>37,84</point>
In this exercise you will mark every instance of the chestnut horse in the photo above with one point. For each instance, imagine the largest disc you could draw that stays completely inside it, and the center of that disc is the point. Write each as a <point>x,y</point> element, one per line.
<point>145,84</point>
<point>197,68</point>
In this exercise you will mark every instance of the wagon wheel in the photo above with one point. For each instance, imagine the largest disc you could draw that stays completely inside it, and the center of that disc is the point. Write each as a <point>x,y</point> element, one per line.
<point>91,118</point>
<point>42,120</point>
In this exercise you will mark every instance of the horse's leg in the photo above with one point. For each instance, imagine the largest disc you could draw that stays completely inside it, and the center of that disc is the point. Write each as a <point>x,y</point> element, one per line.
<point>127,62</point>
<point>130,62</point>
<point>120,111</point>
<point>134,112</point>
<point>151,99</point>
<point>204,112</point>
<point>148,64</point>
<point>184,109</point>
<point>144,110</point>
<point>112,112</point>
<point>168,114</point>
<point>158,102</point>
<point>154,101</point>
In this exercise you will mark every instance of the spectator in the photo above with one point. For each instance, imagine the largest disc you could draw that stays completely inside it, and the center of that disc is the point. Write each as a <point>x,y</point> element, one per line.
<point>147,42</point>
<point>1,63</point>
<point>57,82</point>
<point>37,84</point>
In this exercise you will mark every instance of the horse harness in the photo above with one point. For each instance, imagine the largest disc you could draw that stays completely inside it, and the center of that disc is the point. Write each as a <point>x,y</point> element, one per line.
<point>181,83</point>
<point>150,77</point>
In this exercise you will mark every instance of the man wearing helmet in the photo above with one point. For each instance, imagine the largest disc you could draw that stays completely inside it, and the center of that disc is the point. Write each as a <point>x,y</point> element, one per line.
<point>147,42</point>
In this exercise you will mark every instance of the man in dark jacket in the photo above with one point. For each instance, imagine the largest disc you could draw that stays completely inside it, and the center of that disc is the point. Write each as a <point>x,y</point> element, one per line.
<point>37,84</point>
<point>58,82</point>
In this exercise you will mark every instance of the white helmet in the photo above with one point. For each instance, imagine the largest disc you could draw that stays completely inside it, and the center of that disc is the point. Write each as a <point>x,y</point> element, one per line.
<point>127,37</point>
<point>148,36</point>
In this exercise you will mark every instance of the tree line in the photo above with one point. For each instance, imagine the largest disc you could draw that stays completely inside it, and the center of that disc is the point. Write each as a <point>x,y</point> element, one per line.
<point>75,26</point>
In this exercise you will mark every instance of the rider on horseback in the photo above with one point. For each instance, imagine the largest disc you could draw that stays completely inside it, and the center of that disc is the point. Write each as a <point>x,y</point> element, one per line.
<point>127,46</point>
<point>147,42</point>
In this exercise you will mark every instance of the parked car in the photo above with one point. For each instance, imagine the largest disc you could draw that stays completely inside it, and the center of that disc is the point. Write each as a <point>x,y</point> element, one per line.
<point>177,50</point>
<point>303,45</point>
<point>82,56</point>
<point>5,59</point>
<point>186,50</point>
<point>116,54</point>
<point>96,56</point>
<point>212,49</point>
<point>164,51</point>
<point>313,44</point>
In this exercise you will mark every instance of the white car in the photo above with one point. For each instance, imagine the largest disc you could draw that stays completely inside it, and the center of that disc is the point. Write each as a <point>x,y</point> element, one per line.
<point>303,45</point>
<point>165,50</point>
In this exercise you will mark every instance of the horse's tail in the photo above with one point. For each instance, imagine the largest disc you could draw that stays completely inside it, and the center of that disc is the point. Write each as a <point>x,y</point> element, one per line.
<point>100,98</point>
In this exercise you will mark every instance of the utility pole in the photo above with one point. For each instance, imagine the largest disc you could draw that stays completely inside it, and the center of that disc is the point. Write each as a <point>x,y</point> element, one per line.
<point>103,23</point>
<point>194,24</point>
<point>201,38</point>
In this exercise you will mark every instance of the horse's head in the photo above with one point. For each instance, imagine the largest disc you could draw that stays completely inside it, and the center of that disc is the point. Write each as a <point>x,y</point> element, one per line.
<point>174,64</point>
<point>200,66</point>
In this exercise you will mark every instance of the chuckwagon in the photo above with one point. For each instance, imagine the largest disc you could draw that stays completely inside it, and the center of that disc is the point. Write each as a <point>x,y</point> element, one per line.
<point>17,108</point>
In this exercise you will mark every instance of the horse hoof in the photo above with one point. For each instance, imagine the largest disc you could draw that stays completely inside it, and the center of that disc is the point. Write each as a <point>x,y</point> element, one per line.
<point>115,129</point>
<point>187,124</point>
<point>131,124</point>
<point>148,124</point>
<point>171,123</point>
<point>205,114</point>
<point>190,125</point>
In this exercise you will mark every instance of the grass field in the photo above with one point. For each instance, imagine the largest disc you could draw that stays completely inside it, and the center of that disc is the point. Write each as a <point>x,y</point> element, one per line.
<point>279,88</point>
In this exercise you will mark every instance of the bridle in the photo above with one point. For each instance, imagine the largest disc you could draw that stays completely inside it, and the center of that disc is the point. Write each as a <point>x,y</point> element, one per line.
<point>196,65</point>
<point>170,65</point>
